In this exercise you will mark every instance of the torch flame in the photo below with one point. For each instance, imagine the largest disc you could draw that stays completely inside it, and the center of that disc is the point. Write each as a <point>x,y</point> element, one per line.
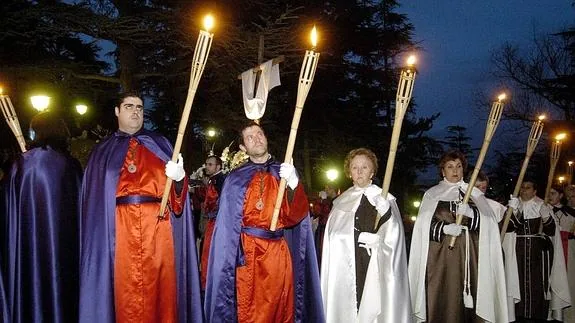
<point>1,91</point>
<point>560,136</point>
<point>501,97</point>
<point>541,117</point>
<point>208,22</point>
<point>313,36</point>
<point>411,60</point>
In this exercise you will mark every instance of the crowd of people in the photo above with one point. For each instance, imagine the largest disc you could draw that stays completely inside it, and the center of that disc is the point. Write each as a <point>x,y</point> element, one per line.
<point>91,245</point>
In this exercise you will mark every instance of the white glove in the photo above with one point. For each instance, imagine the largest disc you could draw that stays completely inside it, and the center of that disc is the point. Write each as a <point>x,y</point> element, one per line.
<point>464,209</point>
<point>368,241</point>
<point>288,172</point>
<point>323,195</point>
<point>373,194</point>
<point>513,202</point>
<point>452,229</point>
<point>545,211</point>
<point>176,171</point>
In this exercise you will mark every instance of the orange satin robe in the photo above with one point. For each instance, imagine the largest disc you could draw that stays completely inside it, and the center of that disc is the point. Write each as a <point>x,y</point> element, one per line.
<point>264,285</point>
<point>144,267</point>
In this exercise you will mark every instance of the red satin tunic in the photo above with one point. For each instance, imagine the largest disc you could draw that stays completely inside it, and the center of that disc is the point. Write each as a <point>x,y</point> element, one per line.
<point>264,285</point>
<point>210,204</point>
<point>144,267</point>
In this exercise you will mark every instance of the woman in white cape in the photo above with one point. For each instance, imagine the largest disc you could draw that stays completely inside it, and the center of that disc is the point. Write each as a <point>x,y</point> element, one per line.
<point>466,284</point>
<point>364,267</point>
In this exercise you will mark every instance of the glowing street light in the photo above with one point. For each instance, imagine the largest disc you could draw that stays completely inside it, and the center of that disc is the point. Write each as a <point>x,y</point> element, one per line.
<point>416,203</point>
<point>40,102</point>
<point>332,174</point>
<point>81,109</point>
<point>561,179</point>
<point>211,132</point>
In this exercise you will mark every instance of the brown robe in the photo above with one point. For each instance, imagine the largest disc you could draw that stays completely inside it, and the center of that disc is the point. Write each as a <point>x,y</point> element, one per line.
<point>445,271</point>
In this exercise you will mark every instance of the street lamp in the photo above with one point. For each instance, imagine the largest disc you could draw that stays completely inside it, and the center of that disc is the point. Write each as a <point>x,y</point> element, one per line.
<point>211,132</point>
<point>416,204</point>
<point>81,109</point>
<point>561,179</point>
<point>332,174</point>
<point>40,102</point>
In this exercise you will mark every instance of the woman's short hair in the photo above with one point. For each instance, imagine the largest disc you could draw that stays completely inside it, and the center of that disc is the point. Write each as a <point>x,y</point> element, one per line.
<point>452,155</point>
<point>356,152</point>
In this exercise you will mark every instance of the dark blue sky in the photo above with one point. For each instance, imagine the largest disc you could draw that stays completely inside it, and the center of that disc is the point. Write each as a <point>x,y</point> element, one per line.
<point>458,37</point>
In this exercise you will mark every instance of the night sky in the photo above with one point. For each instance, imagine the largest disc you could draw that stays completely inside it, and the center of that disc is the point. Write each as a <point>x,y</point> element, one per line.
<point>458,37</point>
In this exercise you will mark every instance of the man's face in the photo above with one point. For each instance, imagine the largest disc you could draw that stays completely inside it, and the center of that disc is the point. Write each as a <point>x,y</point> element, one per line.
<point>481,185</point>
<point>570,196</point>
<point>255,142</point>
<point>211,166</point>
<point>527,191</point>
<point>130,115</point>
<point>555,197</point>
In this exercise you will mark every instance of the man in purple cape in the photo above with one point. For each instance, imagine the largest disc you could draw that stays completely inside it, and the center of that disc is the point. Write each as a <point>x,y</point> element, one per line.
<point>39,240</point>
<point>227,252</point>
<point>98,225</point>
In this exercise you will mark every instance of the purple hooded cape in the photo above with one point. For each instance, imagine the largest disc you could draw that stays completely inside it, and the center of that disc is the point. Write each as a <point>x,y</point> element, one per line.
<point>39,249</point>
<point>4,315</point>
<point>220,302</point>
<point>97,233</point>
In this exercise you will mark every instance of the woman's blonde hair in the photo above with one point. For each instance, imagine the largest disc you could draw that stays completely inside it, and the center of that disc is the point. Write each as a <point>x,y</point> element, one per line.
<point>356,152</point>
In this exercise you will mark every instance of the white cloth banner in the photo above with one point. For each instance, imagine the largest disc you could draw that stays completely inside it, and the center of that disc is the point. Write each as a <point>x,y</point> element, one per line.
<point>255,105</point>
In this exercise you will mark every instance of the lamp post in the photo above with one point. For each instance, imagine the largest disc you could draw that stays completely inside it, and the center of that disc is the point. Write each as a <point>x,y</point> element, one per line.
<point>40,102</point>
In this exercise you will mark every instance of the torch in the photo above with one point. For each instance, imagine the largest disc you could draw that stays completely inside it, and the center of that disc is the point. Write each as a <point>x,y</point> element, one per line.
<point>306,75</point>
<point>201,52</point>
<point>570,172</point>
<point>12,119</point>
<point>402,98</point>
<point>492,123</point>
<point>554,158</point>
<point>534,135</point>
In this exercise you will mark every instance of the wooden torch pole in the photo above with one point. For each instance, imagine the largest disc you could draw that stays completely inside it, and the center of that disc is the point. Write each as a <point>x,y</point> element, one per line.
<point>402,98</point>
<point>201,52</point>
<point>492,123</point>
<point>534,135</point>
<point>305,81</point>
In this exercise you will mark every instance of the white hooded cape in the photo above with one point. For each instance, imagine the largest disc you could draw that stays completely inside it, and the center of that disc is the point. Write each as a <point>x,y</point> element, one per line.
<point>491,303</point>
<point>559,289</point>
<point>386,292</point>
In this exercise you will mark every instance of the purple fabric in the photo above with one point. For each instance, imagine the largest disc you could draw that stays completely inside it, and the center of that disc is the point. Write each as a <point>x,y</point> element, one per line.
<point>97,230</point>
<point>4,315</point>
<point>220,302</point>
<point>39,237</point>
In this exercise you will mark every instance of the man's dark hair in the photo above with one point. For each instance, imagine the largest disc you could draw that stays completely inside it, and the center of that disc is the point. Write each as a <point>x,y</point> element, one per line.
<point>558,188</point>
<point>532,181</point>
<point>128,94</point>
<point>216,158</point>
<point>246,125</point>
<point>50,130</point>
